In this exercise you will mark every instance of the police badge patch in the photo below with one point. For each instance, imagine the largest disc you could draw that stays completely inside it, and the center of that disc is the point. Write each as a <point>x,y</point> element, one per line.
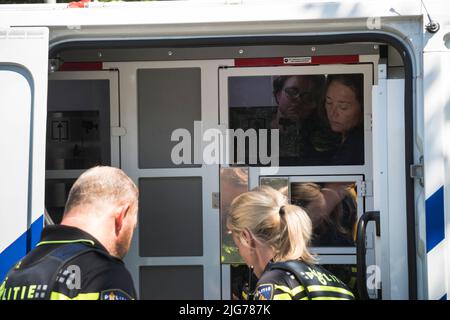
<point>264,292</point>
<point>114,294</point>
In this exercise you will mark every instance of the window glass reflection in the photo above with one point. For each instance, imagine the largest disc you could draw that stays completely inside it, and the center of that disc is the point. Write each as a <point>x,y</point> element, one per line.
<point>332,208</point>
<point>319,117</point>
<point>233,182</point>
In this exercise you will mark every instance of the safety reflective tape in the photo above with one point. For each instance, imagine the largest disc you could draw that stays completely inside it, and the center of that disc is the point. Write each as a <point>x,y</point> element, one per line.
<point>282,296</point>
<point>282,288</point>
<point>82,296</point>
<point>330,289</point>
<point>297,290</point>
<point>92,243</point>
<point>292,292</point>
<point>2,288</point>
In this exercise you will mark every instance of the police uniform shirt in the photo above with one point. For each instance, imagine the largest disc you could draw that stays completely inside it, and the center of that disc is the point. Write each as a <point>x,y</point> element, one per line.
<point>316,284</point>
<point>100,275</point>
<point>278,285</point>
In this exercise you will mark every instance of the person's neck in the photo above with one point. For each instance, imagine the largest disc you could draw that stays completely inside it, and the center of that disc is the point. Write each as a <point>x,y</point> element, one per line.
<point>263,257</point>
<point>94,229</point>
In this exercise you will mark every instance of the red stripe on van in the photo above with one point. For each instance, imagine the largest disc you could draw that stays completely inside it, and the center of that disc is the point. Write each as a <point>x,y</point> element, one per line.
<point>81,66</point>
<point>280,61</point>
<point>335,59</point>
<point>258,62</point>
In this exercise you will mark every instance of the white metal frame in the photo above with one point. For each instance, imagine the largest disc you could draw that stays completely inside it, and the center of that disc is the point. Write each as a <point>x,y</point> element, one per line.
<point>226,281</point>
<point>337,259</point>
<point>389,190</point>
<point>365,69</point>
<point>357,173</point>
<point>318,179</point>
<point>209,173</point>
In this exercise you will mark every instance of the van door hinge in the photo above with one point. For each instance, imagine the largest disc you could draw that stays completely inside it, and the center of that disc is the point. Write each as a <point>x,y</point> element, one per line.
<point>365,189</point>
<point>118,131</point>
<point>416,171</point>
<point>215,200</point>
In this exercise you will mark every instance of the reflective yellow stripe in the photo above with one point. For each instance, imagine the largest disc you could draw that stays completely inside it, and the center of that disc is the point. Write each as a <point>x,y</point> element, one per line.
<point>282,296</point>
<point>3,288</point>
<point>66,241</point>
<point>282,288</point>
<point>82,296</point>
<point>305,298</point>
<point>297,290</point>
<point>292,292</point>
<point>330,289</point>
<point>329,298</point>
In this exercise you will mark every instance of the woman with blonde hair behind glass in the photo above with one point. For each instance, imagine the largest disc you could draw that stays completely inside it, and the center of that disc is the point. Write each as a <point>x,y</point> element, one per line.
<point>272,237</point>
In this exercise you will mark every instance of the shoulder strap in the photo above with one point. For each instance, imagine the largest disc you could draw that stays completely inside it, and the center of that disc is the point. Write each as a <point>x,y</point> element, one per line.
<point>316,276</point>
<point>45,272</point>
<point>297,268</point>
<point>63,255</point>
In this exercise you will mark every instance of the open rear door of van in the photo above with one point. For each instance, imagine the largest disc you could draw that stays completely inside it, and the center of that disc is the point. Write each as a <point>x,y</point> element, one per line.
<point>23,100</point>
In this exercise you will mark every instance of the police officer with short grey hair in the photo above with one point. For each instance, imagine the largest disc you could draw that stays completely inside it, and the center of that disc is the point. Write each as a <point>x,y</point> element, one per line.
<point>81,259</point>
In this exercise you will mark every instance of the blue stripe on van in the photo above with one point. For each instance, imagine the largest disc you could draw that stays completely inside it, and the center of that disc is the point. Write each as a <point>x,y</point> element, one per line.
<point>20,247</point>
<point>444,297</point>
<point>435,226</point>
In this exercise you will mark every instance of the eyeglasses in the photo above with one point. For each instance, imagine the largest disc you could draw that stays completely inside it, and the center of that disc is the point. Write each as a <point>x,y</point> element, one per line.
<point>294,94</point>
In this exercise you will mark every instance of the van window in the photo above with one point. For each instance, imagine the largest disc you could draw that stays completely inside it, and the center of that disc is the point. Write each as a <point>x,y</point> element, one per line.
<point>319,117</point>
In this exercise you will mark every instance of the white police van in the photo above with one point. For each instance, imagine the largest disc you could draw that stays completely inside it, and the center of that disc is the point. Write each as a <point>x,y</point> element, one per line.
<point>108,83</point>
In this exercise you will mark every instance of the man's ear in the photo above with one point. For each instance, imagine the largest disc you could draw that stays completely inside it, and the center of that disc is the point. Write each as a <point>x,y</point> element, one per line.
<point>119,216</point>
<point>249,238</point>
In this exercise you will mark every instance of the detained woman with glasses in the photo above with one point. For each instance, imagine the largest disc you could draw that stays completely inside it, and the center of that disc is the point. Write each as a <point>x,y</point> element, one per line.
<point>272,237</point>
<point>297,118</point>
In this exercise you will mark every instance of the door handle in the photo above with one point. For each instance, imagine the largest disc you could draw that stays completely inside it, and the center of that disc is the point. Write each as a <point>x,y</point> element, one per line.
<point>361,250</point>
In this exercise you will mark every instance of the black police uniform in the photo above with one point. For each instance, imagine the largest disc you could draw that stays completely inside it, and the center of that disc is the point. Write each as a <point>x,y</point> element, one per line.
<point>351,152</point>
<point>68,264</point>
<point>296,280</point>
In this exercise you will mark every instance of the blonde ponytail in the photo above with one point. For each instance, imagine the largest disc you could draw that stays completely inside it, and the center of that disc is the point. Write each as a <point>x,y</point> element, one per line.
<point>295,233</point>
<point>266,213</point>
